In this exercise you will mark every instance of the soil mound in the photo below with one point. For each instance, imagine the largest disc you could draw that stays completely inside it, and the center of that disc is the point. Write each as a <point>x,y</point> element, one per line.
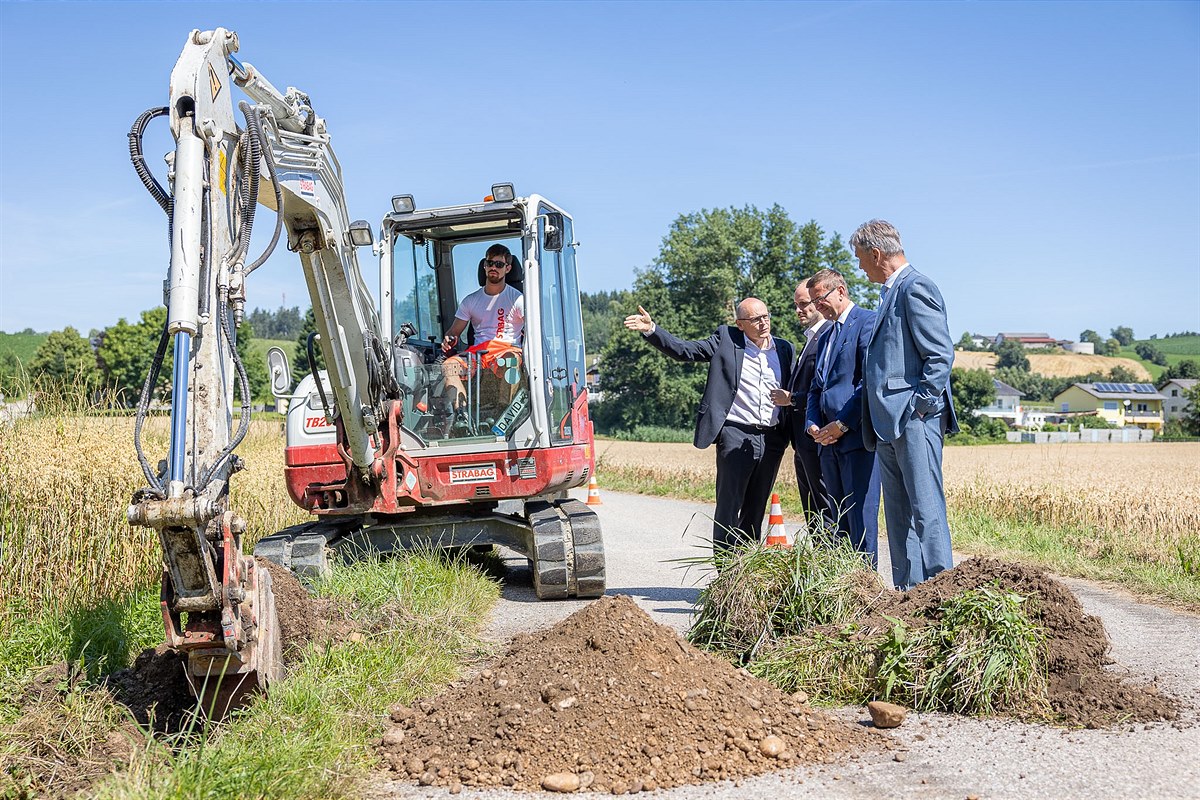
<point>1081,692</point>
<point>611,701</point>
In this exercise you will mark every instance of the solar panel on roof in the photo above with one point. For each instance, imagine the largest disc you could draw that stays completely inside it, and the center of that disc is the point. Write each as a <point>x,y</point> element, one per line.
<point>1104,387</point>
<point>1144,388</point>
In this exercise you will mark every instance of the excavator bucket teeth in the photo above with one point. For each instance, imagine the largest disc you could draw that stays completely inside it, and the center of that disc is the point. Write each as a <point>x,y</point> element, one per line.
<point>224,684</point>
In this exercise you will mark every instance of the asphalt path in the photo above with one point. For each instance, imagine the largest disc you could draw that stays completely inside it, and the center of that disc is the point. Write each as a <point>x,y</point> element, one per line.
<point>648,543</point>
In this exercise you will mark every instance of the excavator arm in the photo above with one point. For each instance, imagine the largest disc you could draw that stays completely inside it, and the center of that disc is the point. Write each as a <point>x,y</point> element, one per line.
<point>218,607</point>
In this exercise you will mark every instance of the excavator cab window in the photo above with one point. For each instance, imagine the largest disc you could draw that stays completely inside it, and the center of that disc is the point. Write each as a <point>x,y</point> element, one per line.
<point>479,391</point>
<point>562,324</point>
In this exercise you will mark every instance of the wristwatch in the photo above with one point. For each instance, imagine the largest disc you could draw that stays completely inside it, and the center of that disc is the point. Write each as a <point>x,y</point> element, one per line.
<point>840,425</point>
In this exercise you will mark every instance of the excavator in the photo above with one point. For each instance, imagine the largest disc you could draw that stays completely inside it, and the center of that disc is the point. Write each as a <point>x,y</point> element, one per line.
<point>375,450</point>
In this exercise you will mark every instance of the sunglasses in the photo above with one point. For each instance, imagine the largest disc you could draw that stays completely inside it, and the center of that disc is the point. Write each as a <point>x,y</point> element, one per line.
<point>498,264</point>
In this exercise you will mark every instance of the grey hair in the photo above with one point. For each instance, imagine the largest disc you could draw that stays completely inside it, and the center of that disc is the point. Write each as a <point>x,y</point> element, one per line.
<point>878,234</point>
<point>830,278</point>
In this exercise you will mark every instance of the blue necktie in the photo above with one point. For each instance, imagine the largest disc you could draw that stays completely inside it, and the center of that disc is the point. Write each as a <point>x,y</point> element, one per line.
<point>827,355</point>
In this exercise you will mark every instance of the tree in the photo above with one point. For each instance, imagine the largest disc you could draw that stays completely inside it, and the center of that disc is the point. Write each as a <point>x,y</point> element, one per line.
<point>1011,354</point>
<point>65,358</point>
<point>1123,334</point>
<point>1150,353</point>
<point>1191,412</point>
<point>284,323</point>
<point>1112,347</point>
<point>1188,368</point>
<point>12,375</point>
<point>966,343</point>
<point>1119,374</point>
<point>708,261</point>
<point>302,367</point>
<point>972,389</point>
<point>602,314</point>
<point>125,353</point>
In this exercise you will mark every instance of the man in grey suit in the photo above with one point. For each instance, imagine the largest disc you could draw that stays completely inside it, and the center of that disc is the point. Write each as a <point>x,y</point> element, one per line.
<point>736,412</point>
<point>907,408</point>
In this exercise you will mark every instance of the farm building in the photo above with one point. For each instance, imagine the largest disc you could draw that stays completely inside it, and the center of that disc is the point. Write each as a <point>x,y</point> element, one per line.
<point>1122,404</point>
<point>1030,341</point>
<point>1176,402</point>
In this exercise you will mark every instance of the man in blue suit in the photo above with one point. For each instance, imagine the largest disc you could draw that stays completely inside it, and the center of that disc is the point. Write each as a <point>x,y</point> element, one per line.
<point>907,409</point>
<point>794,397</point>
<point>834,413</point>
<point>736,412</point>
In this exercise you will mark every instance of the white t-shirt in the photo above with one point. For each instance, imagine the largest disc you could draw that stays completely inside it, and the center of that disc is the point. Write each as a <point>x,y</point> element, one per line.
<point>495,316</point>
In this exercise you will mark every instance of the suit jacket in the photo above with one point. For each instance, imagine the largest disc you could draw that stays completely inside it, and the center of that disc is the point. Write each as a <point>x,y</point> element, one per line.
<point>909,355</point>
<point>838,393</point>
<point>724,350</point>
<point>802,378</point>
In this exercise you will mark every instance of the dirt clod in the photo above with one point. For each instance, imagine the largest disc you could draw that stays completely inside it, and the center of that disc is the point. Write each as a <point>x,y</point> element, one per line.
<point>648,711</point>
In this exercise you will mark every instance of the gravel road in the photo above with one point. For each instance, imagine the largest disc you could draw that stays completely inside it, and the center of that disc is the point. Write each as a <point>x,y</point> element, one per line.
<point>943,756</point>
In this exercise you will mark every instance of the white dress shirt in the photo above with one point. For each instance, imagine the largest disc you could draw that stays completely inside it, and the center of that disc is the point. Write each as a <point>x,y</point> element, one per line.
<point>761,372</point>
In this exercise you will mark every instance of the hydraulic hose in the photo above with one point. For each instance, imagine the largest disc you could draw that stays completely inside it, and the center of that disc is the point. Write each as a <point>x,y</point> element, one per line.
<point>139,161</point>
<point>254,127</point>
<point>143,408</point>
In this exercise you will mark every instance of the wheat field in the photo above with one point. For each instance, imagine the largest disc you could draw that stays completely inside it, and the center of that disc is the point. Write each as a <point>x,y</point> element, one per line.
<point>1065,365</point>
<point>1147,493</point>
<point>65,484</point>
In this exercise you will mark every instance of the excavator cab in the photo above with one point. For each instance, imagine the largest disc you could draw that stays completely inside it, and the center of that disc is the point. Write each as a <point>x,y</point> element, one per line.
<point>481,444</point>
<point>487,396</point>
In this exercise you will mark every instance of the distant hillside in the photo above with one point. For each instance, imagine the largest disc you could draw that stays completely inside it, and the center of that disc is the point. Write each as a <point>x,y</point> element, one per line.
<point>1066,365</point>
<point>1176,349</point>
<point>1177,345</point>
<point>22,345</point>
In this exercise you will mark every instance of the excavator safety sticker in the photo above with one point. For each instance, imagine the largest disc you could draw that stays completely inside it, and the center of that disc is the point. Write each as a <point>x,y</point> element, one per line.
<point>473,473</point>
<point>214,82</point>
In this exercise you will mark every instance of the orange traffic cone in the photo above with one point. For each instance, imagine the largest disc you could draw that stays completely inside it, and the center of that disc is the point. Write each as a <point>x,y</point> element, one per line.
<point>776,532</point>
<point>594,493</point>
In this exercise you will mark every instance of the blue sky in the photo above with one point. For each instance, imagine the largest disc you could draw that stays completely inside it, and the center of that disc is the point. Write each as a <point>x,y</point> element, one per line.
<point>1041,159</point>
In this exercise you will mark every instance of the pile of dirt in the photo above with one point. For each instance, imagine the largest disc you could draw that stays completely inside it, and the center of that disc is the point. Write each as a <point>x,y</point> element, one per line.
<point>611,701</point>
<point>1082,692</point>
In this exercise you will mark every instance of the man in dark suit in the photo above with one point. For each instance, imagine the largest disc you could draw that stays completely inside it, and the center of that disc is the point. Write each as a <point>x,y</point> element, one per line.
<point>794,396</point>
<point>736,412</point>
<point>907,408</point>
<point>834,417</point>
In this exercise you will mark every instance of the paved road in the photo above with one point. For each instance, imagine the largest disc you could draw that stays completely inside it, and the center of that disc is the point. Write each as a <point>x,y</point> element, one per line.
<point>945,756</point>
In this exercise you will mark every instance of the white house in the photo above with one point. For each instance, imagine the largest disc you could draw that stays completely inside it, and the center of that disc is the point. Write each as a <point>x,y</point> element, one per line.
<point>1176,402</point>
<point>1006,406</point>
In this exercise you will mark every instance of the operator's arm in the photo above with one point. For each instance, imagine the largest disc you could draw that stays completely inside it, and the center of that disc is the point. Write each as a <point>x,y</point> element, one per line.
<point>451,337</point>
<point>926,316</point>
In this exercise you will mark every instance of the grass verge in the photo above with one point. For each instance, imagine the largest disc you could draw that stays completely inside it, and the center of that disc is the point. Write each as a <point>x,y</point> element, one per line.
<point>311,737</point>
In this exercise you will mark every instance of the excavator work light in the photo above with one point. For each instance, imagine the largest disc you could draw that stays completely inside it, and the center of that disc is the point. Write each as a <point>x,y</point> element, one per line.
<point>403,204</point>
<point>503,192</point>
<point>359,233</point>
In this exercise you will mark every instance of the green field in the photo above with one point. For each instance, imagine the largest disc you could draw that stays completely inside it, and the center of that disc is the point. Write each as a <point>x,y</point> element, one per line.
<point>22,345</point>
<point>1175,348</point>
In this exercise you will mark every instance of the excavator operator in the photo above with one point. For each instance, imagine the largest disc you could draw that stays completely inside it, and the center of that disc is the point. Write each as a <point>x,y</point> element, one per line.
<point>497,313</point>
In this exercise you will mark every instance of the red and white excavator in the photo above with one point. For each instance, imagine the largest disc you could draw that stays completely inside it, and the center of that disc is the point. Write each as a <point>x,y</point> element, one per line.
<point>374,449</point>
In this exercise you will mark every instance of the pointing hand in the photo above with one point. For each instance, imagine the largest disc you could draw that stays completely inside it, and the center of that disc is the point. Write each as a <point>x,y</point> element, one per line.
<point>640,321</point>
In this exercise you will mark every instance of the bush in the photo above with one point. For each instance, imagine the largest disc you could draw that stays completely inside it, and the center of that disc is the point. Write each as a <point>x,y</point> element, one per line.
<point>654,433</point>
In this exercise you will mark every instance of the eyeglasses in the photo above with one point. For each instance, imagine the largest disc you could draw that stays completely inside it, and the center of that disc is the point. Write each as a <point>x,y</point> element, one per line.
<point>498,264</point>
<point>822,297</point>
<point>762,319</point>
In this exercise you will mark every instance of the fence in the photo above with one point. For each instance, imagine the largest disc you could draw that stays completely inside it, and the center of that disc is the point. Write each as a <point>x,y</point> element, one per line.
<point>1086,435</point>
